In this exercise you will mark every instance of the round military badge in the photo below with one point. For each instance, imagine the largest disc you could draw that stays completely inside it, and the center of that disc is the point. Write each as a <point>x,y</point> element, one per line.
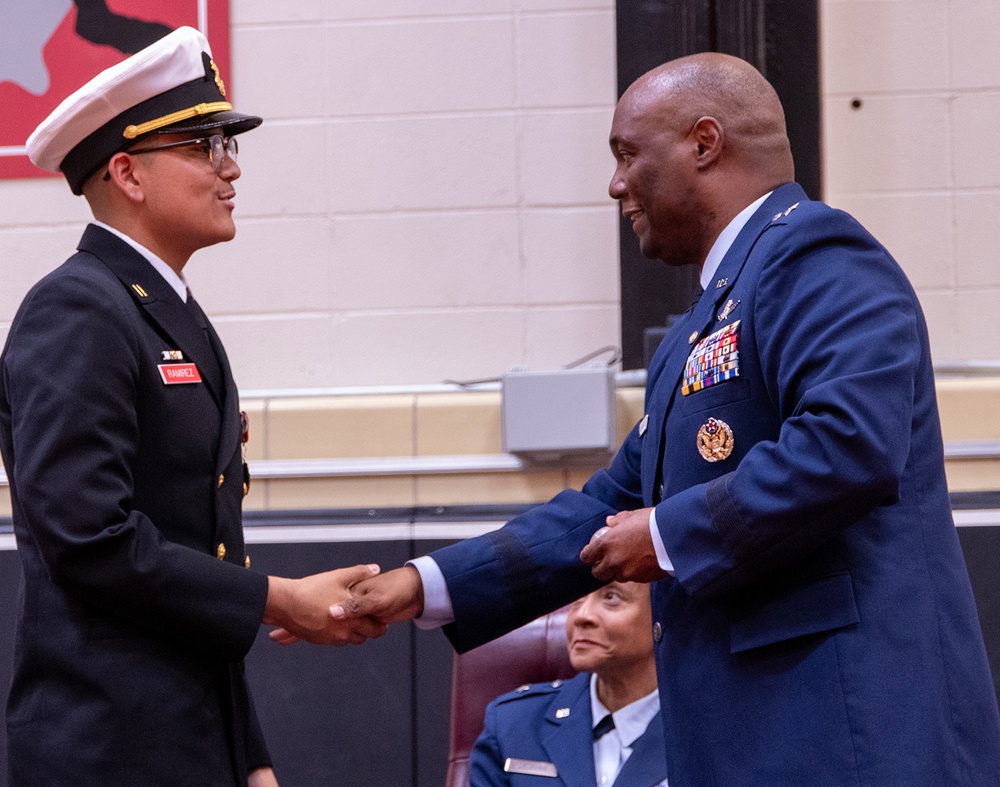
<point>715,440</point>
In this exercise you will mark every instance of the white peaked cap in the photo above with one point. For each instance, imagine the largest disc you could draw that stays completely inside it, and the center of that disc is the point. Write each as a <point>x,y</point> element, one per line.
<point>170,86</point>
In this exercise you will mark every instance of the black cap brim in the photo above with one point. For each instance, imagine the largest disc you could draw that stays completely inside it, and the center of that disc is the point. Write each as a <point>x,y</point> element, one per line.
<point>232,123</point>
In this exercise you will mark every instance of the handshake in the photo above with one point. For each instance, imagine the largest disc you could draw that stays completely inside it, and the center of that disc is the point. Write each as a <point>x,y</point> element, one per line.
<point>343,606</point>
<point>355,604</point>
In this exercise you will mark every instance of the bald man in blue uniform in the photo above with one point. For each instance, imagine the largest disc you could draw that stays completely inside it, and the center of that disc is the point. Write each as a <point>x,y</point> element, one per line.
<point>784,492</point>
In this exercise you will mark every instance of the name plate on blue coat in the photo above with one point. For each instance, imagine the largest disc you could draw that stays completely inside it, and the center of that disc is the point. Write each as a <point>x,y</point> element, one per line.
<point>530,767</point>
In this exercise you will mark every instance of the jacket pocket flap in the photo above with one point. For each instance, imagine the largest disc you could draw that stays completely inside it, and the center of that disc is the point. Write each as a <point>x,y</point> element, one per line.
<point>794,611</point>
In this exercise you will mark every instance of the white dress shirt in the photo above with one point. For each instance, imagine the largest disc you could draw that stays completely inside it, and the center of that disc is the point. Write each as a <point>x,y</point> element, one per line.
<point>174,279</point>
<point>615,747</point>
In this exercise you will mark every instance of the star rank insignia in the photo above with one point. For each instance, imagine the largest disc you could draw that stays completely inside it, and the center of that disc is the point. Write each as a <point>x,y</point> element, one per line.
<point>784,213</point>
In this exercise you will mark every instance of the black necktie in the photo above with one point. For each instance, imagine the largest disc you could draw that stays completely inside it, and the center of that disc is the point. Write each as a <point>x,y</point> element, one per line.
<point>603,727</point>
<point>196,313</point>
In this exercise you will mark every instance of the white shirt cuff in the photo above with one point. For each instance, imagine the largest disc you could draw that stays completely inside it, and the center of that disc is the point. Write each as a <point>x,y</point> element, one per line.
<point>437,602</point>
<point>661,551</point>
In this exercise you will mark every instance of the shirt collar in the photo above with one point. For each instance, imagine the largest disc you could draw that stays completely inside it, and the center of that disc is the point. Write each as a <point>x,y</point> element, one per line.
<point>174,279</point>
<point>725,240</point>
<point>630,721</point>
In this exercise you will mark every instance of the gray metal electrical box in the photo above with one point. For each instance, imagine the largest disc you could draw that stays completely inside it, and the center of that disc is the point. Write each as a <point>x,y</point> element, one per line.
<point>551,414</point>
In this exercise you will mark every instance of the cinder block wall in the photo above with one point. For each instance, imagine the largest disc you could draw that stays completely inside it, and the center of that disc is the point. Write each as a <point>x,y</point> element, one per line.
<point>427,198</point>
<point>911,106</point>
<point>427,201</point>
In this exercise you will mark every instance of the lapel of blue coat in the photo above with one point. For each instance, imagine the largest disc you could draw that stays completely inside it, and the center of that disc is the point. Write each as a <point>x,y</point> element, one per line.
<point>658,387</point>
<point>160,302</point>
<point>647,765</point>
<point>667,366</point>
<point>569,740</point>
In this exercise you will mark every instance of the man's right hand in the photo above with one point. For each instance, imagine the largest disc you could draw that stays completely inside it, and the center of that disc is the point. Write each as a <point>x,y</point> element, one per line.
<point>388,598</point>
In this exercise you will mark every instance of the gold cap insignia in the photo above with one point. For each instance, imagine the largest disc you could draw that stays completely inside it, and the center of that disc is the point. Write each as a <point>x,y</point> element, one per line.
<point>218,78</point>
<point>715,440</point>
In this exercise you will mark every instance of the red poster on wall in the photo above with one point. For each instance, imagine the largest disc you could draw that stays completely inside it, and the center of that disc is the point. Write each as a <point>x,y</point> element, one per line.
<point>49,48</point>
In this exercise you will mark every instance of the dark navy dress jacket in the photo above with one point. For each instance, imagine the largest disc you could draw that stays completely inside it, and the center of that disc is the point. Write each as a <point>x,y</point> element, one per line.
<point>133,620</point>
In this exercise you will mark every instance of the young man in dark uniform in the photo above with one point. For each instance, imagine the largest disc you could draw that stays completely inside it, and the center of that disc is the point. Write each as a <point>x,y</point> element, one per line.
<point>121,436</point>
<point>784,493</point>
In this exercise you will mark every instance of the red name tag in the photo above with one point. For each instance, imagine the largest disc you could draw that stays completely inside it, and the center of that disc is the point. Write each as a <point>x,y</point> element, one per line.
<point>179,373</point>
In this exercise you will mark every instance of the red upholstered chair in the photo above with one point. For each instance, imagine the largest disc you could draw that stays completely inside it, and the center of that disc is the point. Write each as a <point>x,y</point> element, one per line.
<point>533,653</point>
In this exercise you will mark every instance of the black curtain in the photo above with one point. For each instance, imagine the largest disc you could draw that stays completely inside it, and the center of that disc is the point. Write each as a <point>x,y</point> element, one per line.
<point>780,37</point>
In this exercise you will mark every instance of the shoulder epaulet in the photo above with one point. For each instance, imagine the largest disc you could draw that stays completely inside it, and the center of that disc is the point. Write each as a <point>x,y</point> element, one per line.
<point>530,690</point>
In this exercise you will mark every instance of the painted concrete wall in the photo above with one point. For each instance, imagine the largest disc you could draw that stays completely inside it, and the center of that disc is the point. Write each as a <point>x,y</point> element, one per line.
<point>427,198</point>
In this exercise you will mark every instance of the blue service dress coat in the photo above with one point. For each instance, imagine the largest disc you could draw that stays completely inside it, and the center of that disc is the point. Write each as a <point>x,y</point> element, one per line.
<point>531,723</point>
<point>132,623</point>
<point>820,628</point>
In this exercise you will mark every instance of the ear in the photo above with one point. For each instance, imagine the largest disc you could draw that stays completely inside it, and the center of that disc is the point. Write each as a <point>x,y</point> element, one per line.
<point>125,177</point>
<point>708,135</point>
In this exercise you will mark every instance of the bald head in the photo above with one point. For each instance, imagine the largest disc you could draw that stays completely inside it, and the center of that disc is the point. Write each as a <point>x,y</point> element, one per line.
<point>696,140</point>
<point>711,84</point>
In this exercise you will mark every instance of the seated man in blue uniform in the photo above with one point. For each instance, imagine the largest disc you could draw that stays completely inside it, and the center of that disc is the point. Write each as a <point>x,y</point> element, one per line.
<point>121,436</point>
<point>599,729</point>
<point>784,492</point>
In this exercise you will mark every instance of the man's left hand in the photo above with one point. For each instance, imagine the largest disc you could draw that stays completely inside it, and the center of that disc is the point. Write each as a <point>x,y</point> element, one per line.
<point>623,550</point>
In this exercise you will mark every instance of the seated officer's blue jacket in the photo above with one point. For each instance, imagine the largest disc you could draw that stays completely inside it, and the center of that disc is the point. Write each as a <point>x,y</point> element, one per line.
<point>552,723</point>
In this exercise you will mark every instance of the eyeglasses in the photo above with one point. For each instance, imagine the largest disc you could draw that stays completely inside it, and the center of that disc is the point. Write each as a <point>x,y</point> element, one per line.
<point>216,146</point>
